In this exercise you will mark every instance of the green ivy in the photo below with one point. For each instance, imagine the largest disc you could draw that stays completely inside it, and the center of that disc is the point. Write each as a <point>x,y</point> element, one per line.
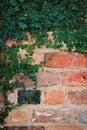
<point>66,19</point>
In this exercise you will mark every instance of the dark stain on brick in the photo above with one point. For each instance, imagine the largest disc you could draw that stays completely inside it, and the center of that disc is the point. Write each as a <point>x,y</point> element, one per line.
<point>84,77</point>
<point>29,96</point>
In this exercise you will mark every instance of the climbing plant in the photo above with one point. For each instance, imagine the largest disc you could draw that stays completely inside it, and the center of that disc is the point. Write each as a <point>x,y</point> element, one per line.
<point>66,19</point>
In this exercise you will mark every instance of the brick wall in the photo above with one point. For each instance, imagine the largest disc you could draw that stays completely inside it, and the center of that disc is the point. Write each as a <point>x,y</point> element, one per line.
<point>60,100</point>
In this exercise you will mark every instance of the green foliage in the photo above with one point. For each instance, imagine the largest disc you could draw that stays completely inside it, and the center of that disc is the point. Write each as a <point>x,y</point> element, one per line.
<point>66,19</point>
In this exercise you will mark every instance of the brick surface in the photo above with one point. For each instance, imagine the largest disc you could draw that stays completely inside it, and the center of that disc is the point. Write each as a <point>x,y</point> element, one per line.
<point>63,128</point>
<point>37,59</point>
<point>35,128</point>
<point>78,97</point>
<point>1,98</point>
<point>8,118</point>
<point>29,96</point>
<point>43,79</point>
<point>22,78</point>
<point>51,115</point>
<point>47,79</point>
<point>74,78</point>
<point>10,97</point>
<point>54,96</point>
<point>84,116</point>
<point>20,115</point>
<point>55,60</point>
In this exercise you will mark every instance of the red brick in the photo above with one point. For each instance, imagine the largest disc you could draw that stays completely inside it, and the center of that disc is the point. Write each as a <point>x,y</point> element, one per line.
<point>74,78</point>
<point>51,115</point>
<point>1,98</point>
<point>54,96</point>
<point>78,97</point>
<point>20,115</point>
<point>35,128</point>
<point>55,60</point>
<point>63,128</point>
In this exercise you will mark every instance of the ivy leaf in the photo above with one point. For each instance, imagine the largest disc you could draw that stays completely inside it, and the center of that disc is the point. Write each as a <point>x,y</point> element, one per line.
<point>22,25</point>
<point>21,1</point>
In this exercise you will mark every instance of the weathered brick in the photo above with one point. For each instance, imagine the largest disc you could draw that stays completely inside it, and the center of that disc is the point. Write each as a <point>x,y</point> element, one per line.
<point>55,60</point>
<point>84,116</point>
<point>74,78</point>
<point>78,97</point>
<point>10,97</point>
<point>30,96</point>
<point>63,128</point>
<point>37,59</point>
<point>51,115</point>
<point>8,118</point>
<point>1,98</point>
<point>28,82</point>
<point>43,79</point>
<point>22,78</point>
<point>19,115</point>
<point>47,79</point>
<point>54,96</point>
<point>35,128</point>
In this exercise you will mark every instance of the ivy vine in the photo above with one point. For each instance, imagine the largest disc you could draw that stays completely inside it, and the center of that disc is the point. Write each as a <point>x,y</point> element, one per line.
<point>67,19</point>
